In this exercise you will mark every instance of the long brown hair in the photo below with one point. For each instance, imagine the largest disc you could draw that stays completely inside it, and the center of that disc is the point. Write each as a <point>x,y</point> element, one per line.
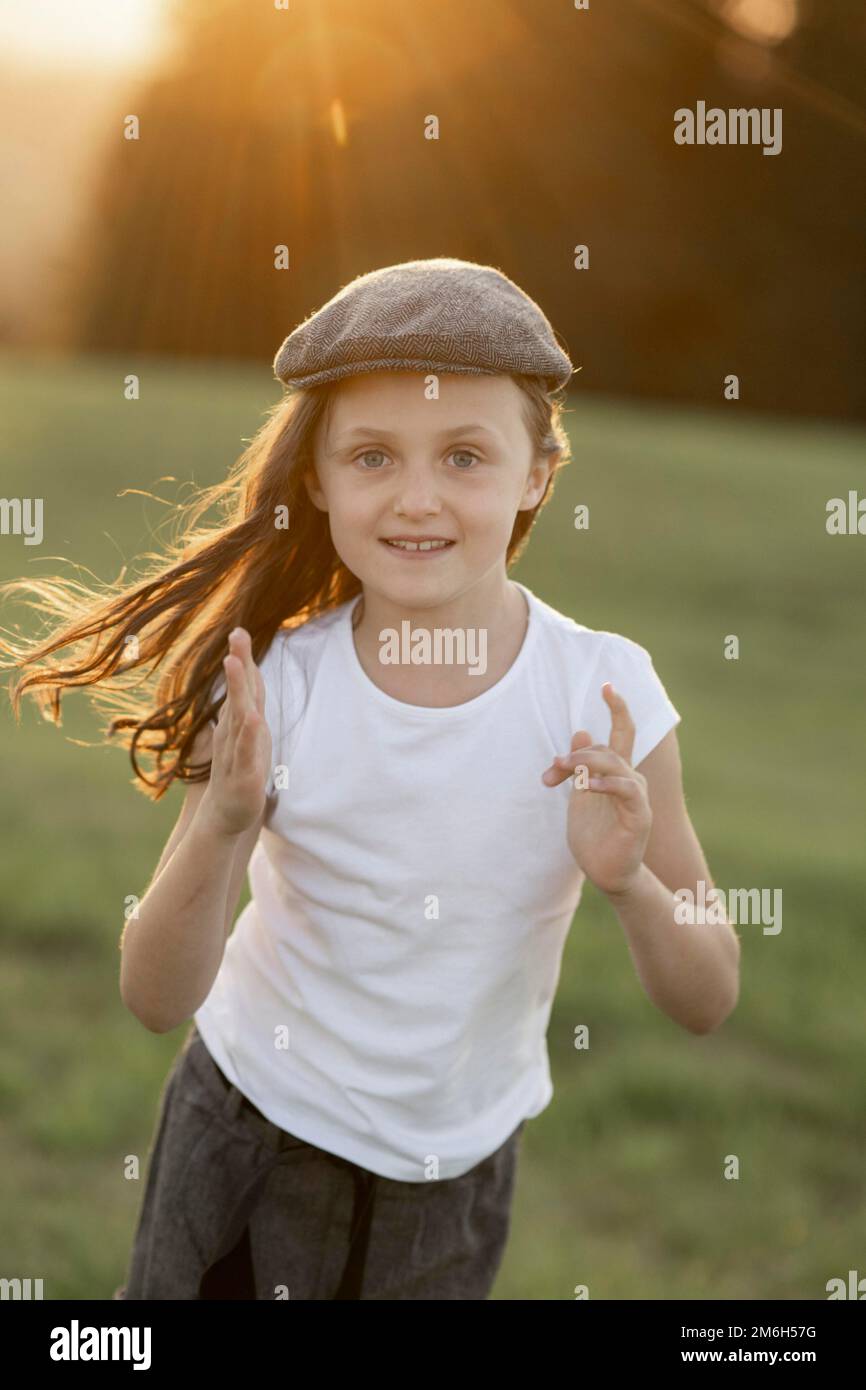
<point>246,571</point>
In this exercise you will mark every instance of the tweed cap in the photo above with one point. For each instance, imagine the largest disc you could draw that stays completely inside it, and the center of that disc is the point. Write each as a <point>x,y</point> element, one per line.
<point>437,315</point>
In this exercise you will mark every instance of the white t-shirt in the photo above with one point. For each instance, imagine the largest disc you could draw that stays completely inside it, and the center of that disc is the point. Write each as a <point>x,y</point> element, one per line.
<point>412,891</point>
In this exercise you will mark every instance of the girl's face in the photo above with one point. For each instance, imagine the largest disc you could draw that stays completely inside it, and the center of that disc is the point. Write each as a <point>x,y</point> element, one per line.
<point>392,464</point>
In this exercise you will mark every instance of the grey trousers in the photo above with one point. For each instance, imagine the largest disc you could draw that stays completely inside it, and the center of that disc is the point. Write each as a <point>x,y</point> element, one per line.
<point>236,1208</point>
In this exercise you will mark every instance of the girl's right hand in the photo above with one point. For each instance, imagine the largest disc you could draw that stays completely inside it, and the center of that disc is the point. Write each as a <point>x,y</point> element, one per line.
<point>241,756</point>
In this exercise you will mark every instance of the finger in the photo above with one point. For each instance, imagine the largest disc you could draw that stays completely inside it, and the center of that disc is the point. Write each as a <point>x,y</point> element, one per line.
<point>563,765</point>
<point>599,755</point>
<point>243,757</point>
<point>219,724</point>
<point>622,729</point>
<point>599,761</point>
<point>578,740</point>
<point>554,775</point>
<point>566,759</point>
<point>241,646</point>
<point>256,679</point>
<point>626,788</point>
<point>562,769</point>
<point>222,739</point>
<point>238,695</point>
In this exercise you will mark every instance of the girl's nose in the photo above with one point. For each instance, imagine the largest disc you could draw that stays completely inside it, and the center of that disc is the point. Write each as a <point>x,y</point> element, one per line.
<point>416,497</point>
<point>416,505</point>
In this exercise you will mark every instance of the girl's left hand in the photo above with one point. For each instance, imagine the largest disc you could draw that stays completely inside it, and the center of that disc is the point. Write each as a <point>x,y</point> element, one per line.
<point>609,821</point>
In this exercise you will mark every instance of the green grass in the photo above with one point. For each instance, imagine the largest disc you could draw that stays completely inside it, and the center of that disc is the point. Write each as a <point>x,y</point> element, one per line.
<point>701,525</point>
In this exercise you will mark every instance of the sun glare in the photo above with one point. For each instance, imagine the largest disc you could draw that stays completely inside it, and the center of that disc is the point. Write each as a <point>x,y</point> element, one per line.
<point>766,21</point>
<point>338,121</point>
<point>55,33</point>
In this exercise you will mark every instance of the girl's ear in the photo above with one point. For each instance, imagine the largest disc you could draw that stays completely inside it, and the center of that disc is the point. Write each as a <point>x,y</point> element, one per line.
<point>316,496</point>
<point>539,473</point>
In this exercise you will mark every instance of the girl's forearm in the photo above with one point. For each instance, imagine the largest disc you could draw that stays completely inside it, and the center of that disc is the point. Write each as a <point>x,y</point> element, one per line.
<point>172,949</point>
<point>689,970</point>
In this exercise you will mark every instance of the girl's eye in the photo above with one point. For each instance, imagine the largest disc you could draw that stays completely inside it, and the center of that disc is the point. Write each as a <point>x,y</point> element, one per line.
<point>378,453</point>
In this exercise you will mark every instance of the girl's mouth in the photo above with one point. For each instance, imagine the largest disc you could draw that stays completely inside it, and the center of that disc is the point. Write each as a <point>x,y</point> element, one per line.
<point>417,549</point>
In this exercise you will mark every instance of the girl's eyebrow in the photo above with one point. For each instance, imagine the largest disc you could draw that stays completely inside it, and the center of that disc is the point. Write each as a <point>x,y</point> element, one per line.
<point>369,431</point>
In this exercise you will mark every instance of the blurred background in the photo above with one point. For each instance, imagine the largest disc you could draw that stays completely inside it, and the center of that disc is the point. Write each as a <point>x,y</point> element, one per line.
<point>304,126</point>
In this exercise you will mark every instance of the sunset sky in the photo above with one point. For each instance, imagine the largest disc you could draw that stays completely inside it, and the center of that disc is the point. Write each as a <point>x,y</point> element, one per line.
<point>120,33</point>
<point>57,33</point>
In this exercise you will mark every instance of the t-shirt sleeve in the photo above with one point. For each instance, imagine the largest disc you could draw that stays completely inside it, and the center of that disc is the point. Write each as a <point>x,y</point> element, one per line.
<point>630,670</point>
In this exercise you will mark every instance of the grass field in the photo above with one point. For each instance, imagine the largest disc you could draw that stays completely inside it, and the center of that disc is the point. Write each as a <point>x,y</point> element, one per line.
<point>702,524</point>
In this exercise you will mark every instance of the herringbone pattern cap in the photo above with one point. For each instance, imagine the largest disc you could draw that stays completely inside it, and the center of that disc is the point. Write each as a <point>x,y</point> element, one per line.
<point>437,315</point>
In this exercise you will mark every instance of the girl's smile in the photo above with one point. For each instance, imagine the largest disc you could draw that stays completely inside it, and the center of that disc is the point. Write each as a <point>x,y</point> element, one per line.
<point>417,547</point>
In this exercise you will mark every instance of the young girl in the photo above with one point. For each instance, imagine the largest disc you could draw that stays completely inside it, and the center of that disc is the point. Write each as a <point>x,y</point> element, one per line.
<point>420,762</point>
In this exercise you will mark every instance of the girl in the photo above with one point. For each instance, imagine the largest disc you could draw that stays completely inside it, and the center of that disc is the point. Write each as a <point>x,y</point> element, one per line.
<point>344,1116</point>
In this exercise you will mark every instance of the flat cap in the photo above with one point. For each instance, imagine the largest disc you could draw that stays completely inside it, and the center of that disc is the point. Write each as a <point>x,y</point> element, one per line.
<point>437,315</point>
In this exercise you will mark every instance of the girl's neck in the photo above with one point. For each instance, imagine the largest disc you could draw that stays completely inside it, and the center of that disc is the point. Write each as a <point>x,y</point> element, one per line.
<point>503,621</point>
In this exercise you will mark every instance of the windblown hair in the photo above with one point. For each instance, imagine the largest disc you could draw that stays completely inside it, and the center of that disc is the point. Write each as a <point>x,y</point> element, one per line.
<point>247,571</point>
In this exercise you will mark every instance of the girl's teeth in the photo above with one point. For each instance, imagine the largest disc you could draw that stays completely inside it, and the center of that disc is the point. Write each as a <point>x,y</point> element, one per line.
<point>422,545</point>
